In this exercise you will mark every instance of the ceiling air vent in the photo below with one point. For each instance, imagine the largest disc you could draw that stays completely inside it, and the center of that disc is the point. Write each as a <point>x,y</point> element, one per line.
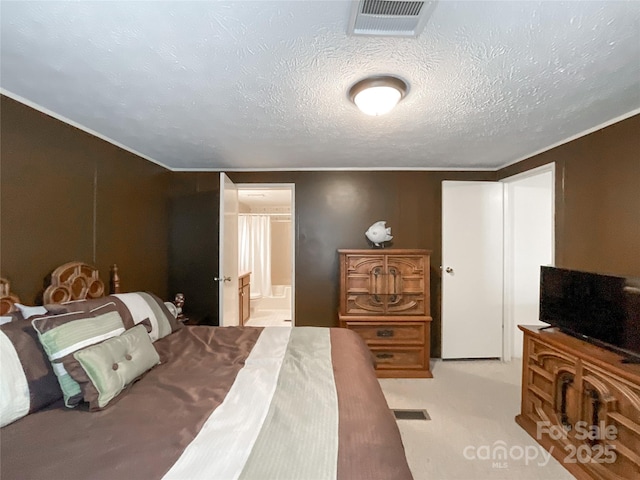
<point>389,18</point>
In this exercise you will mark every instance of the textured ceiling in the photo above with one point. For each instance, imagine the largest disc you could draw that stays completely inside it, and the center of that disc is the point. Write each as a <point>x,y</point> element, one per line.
<point>263,84</point>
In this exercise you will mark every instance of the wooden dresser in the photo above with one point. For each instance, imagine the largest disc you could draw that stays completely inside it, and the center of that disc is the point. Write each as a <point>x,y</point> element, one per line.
<point>384,297</point>
<point>582,403</point>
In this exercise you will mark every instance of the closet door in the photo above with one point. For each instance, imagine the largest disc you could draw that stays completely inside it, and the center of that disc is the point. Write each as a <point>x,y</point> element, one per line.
<point>472,269</point>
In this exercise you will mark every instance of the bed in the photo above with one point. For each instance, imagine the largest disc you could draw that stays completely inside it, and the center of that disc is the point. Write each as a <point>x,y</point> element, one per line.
<point>220,403</point>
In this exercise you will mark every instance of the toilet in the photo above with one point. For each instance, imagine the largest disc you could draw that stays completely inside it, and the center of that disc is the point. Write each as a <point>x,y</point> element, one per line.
<point>254,301</point>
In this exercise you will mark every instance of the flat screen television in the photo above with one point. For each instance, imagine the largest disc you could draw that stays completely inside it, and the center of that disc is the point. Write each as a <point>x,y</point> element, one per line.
<point>600,308</point>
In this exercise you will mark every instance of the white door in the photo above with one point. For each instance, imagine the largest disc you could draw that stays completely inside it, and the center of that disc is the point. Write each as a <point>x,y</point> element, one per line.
<point>472,269</point>
<point>228,249</point>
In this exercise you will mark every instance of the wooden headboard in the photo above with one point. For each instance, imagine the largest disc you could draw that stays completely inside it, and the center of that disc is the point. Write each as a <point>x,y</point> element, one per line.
<point>78,281</point>
<point>7,299</point>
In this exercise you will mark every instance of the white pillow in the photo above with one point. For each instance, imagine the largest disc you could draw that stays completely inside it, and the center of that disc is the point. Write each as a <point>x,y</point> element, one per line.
<point>172,308</point>
<point>30,311</point>
<point>14,389</point>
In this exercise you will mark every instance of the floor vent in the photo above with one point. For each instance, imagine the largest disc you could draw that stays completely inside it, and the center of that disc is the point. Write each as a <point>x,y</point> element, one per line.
<point>389,18</point>
<point>411,414</point>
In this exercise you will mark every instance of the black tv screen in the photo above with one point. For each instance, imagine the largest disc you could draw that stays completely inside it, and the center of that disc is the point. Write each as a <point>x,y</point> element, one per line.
<point>601,308</point>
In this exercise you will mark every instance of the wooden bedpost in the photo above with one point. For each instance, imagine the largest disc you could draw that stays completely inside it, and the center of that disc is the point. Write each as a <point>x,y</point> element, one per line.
<point>7,299</point>
<point>114,280</point>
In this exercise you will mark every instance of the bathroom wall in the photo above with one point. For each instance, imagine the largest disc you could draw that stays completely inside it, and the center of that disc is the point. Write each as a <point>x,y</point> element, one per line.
<point>280,252</point>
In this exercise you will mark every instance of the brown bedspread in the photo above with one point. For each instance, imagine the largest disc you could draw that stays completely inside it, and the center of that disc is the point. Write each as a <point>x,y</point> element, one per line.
<point>145,431</point>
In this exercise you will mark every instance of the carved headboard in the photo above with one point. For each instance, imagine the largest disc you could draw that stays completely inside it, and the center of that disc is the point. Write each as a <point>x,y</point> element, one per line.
<point>7,299</point>
<point>78,281</point>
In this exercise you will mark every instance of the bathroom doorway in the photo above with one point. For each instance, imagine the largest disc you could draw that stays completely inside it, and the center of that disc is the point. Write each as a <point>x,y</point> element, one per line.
<point>266,252</point>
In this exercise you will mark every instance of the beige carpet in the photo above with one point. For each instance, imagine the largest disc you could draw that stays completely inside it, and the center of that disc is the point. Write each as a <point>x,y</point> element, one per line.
<point>472,405</point>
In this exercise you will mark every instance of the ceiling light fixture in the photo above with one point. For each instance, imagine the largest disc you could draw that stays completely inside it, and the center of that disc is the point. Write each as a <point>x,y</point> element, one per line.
<point>378,95</point>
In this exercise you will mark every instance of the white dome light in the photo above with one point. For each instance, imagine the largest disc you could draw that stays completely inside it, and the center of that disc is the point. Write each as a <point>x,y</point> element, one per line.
<point>377,95</point>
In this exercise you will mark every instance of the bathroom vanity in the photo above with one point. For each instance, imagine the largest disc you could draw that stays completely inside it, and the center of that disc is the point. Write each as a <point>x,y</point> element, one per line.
<point>244,296</point>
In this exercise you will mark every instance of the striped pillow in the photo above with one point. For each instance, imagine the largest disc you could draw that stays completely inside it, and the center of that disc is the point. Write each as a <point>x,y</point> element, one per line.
<point>143,305</point>
<point>62,335</point>
<point>27,383</point>
<point>93,305</point>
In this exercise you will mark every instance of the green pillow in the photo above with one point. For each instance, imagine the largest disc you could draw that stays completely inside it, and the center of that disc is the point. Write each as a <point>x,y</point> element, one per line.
<point>64,334</point>
<point>106,369</point>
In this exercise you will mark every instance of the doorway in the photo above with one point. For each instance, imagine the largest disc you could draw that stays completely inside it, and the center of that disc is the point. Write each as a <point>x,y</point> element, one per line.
<point>529,226</point>
<point>266,251</point>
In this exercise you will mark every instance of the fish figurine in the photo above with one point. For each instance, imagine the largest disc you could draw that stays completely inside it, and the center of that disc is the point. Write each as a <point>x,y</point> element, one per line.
<point>379,233</point>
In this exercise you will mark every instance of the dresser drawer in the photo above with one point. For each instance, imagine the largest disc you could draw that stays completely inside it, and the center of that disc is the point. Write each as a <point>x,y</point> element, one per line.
<point>398,357</point>
<point>381,333</point>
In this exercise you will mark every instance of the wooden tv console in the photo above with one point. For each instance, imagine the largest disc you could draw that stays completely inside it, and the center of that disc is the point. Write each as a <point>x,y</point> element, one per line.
<point>581,403</point>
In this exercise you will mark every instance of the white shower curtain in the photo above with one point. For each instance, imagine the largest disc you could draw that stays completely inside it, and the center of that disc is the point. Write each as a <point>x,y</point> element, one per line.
<point>254,235</point>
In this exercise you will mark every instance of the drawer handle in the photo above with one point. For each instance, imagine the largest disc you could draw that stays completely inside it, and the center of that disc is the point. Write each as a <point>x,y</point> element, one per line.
<point>385,333</point>
<point>384,355</point>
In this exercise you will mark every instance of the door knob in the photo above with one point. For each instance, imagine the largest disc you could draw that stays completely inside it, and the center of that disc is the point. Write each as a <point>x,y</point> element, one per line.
<point>222,279</point>
<point>448,270</point>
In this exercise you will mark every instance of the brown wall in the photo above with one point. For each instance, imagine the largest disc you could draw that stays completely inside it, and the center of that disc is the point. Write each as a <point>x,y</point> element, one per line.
<point>51,174</point>
<point>333,210</point>
<point>597,199</point>
<point>68,196</point>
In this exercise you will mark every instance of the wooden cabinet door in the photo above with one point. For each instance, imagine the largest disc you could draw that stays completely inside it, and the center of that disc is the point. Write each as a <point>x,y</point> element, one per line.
<point>246,306</point>
<point>386,285</point>
<point>365,285</point>
<point>406,285</point>
<point>244,297</point>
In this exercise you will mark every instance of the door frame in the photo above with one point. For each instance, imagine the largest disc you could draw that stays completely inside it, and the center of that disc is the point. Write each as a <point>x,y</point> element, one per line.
<point>228,293</point>
<point>508,329</point>
<point>292,187</point>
